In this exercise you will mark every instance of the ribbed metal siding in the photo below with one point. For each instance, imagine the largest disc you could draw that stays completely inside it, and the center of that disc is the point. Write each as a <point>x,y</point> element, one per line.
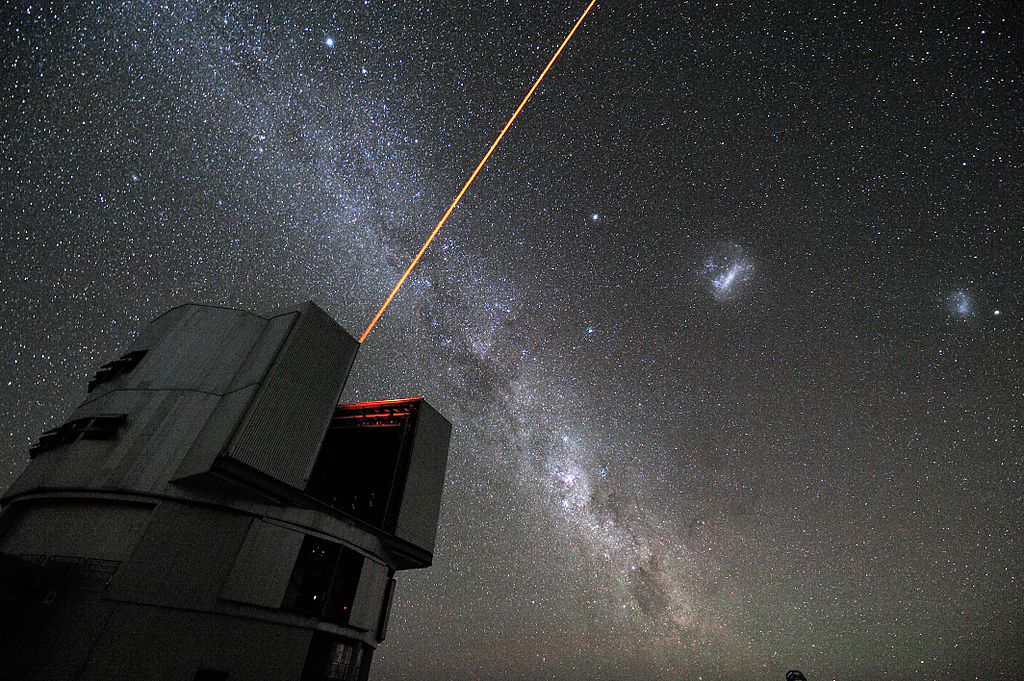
<point>424,479</point>
<point>282,431</point>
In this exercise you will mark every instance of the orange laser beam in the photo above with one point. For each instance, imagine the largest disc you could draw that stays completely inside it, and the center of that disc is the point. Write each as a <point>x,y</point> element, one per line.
<point>472,177</point>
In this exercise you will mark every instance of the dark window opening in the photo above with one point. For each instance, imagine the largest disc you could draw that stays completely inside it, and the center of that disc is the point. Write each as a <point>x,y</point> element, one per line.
<point>100,427</point>
<point>311,576</point>
<point>335,659</point>
<point>324,581</point>
<point>358,468</point>
<point>343,591</point>
<point>118,367</point>
<point>103,427</point>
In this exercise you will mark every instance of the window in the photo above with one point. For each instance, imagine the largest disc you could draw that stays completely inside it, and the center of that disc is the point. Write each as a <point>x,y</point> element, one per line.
<point>360,463</point>
<point>102,427</point>
<point>118,367</point>
<point>343,661</point>
<point>324,580</point>
<point>311,577</point>
<point>336,659</point>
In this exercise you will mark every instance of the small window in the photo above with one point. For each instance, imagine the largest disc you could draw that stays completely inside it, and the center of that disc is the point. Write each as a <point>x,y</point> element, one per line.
<point>102,427</point>
<point>118,367</point>
<point>335,659</point>
<point>324,580</point>
<point>311,577</point>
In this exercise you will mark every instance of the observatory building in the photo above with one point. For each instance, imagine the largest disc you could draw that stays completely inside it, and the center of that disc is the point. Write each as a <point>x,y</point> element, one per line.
<point>211,513</point>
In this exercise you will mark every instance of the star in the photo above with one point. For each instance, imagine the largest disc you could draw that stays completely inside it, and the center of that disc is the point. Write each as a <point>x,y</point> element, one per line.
<point>736,367</point>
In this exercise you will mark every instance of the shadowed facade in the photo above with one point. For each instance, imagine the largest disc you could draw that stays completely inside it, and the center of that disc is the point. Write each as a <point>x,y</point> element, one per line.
<point>210,512</point>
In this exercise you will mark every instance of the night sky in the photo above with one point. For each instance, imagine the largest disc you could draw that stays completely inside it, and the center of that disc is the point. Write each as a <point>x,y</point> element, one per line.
<point>729,327</point>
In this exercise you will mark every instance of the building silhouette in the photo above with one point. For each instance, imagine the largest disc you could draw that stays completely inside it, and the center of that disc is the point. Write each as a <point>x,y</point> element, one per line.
<point>211,513</point>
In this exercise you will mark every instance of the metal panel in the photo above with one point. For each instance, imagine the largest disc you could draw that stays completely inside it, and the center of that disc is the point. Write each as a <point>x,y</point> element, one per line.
<point>369,601</point>
<point>183,559</point>
<point>424,482</point>
<point>199,348</point>
<point>282,431</point>
<point>162,426</point>
<point>159,327</point>
<point>264,351</point>
<point>88,530</point>
<point>216,432</point>
<point>261,571</point>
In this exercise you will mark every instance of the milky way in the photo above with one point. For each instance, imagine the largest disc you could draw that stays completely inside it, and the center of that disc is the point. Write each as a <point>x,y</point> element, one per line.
<point>728,329</point>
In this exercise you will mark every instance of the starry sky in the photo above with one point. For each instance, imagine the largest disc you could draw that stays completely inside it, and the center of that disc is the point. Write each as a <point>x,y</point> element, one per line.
<point>728,328</point>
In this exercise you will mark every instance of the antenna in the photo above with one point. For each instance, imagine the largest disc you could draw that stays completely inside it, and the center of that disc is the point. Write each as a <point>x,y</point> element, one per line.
<point>472,177</point>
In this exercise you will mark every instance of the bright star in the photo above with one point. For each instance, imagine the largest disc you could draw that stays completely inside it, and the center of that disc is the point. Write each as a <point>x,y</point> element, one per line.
<point>329,42</point>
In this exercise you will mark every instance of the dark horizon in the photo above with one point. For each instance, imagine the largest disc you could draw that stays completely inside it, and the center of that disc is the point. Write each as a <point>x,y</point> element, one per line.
<point>728,328</point>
